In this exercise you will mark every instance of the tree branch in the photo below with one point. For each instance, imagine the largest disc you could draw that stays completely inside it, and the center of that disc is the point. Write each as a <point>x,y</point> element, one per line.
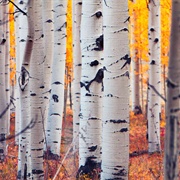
<point>24,13</point>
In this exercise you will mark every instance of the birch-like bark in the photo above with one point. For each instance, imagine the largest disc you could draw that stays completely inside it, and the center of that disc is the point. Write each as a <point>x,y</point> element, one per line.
<point>21,36</point>
<point>54,123</point>
<point>24,48</point>
<point>7,67</point>
<point>77,7</point>
<point>173,99</point>
<point>115,137</point>
<point>3,100</point>
<point>91,85</point>
<point>154,101</point>
<point>48,24</point>
<point>36,96</point>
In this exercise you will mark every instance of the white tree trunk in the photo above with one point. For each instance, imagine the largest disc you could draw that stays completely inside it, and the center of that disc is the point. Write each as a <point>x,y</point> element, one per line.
<point>77,7</point>
<point>3,100</point>
<point>54,123</point>
<point>36,96</point>
<point>91,84</point>
<point>21,36</point>
<point>154,101</point>
<point>48,54</point>
<point>171,165</point>
<point>7,67</point>
<point>115,137</point>
<point>24,48</point>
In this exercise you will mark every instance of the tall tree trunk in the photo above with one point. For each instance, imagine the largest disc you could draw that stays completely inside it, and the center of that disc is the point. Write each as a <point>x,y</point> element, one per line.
<point>154,88</point>
<point>135,85</point>
<point>173,101</point>
<point>48,25</point>
<point>7,67</point>
<point>3,99</point>
<point>115,137</point>
<point>54,123</point>
<point>36,96</point>
<point>21,34</point>
<point>24,49</point>
<point>77,7</point>
<point>91,86</point>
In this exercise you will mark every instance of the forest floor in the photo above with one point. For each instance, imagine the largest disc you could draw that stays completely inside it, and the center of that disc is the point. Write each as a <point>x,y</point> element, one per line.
<point>142,166</point>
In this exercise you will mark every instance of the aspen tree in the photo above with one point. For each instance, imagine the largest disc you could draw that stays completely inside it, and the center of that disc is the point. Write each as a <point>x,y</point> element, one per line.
<point>154,103</point>
<point>24,51</point>
<point>135,65</point>
<point>7,67</point>
<point>173,99</point>
<point>92,75</point>
<point>115,137</point>
<point>77,7</point>
<point>48,24</point>
<point>36,96</point>
<point>3,99</point>
<point>55,115</point>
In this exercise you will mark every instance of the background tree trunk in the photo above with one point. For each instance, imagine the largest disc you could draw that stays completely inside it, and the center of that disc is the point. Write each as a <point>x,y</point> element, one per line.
<point>135,76</point>
<point>3,99</point>
<point>173,101</point>
<point>54,124</point>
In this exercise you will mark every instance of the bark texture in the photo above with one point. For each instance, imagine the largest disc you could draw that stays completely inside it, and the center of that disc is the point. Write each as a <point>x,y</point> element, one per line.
<point>115,137</point>
<point>55,115</point>
<point>36,97</point>
<point>154,88</point>
<point>24,44</point>
<point>92,75</point>
<point>76,94</point>
<point>173,99</point>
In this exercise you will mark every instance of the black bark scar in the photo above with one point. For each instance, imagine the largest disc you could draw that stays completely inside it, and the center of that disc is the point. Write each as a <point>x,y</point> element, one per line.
<point>98,78</point>
<point>128,60</point>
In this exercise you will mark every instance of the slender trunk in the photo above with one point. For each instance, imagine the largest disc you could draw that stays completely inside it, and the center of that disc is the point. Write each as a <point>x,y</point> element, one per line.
<point>135,88</point>
<point>36,96</point>
<point>21,34</point>
<point>77,7</point>
<point>154,88</point>
<point>7,67</point>
<point>48,26</point>
<point>54,123</point>
<point>3,100</point>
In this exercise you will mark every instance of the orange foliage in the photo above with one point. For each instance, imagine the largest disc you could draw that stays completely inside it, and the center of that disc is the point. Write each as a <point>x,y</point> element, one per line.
<point>12,52</point>
<point>144,166</point>
<point>140,20</point>
<point>69,42</point>
<point>165,30</point>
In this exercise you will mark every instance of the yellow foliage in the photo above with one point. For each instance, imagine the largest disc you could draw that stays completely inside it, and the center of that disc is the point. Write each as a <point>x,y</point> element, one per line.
<point>138,11</point>
<point>165,30</point>
<point>69,42</point>
<point>12,52</point>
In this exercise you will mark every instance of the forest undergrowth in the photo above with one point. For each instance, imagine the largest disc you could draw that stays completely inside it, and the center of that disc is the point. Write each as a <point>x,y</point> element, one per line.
<point>142,166</point>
